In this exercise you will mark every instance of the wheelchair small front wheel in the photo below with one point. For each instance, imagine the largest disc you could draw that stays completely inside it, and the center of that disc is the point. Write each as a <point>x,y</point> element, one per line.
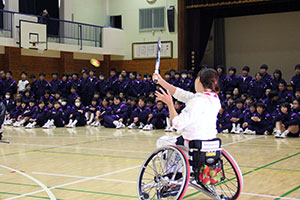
<point>164,175</point>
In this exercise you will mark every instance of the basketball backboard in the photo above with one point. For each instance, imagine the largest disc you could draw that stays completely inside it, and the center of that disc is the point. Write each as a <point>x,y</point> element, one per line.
<point>33,35</point>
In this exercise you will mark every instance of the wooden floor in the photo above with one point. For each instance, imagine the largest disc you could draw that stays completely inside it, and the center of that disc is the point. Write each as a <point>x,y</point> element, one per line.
<point>99,163</point>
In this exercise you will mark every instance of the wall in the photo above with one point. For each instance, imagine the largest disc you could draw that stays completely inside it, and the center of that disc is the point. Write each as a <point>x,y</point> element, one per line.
<point>272,39</point>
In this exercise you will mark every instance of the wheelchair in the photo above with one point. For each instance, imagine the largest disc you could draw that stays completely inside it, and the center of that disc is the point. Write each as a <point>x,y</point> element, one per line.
<point>168,171</point>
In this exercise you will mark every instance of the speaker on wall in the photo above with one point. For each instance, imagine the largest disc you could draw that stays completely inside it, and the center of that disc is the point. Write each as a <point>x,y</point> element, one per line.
<point>171,18</point>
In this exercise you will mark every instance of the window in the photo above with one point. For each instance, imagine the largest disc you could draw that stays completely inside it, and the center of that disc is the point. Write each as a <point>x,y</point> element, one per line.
<point>152,19</point>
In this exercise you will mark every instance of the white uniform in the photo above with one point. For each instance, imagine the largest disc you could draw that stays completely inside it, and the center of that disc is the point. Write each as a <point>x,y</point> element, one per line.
<point>22,84</point>
<point>198,119</point>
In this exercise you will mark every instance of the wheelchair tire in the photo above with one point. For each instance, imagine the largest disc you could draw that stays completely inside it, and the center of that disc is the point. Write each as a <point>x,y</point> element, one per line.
<point>231,187</point>
<point>157,178</point>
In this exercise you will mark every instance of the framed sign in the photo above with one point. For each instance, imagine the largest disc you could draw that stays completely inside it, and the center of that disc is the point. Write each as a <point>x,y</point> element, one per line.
<point>148,50</point>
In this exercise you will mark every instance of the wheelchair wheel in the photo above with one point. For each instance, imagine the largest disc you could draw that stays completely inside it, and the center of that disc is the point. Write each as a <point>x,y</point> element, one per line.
<point>164,175</point>
<point>231,187</point>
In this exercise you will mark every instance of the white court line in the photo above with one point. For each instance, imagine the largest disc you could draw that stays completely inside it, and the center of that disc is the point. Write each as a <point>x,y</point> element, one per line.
<point>74,182</point>
<point>87,148</point>
<point>247,139</point>
<point>45,189</point>
<point>83,177</point>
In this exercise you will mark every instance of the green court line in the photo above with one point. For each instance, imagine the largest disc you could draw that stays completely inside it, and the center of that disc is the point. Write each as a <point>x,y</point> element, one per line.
<point>95,155</point>
<point>254,170</point>
<point>15,194</point>
<point>289,192</point>
<point>73,190</point>
<point>276,169</point>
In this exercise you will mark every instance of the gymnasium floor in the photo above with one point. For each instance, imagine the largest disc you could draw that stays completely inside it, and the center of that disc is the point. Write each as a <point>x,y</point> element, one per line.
<point>99,163</point>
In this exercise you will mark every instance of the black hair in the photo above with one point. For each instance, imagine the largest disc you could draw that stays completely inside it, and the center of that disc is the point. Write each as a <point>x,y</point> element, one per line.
<point>113,70</point>
<point>261,104</point>
<point>184,72</point>
<point>272,94</point>
<point>246,68</point>
<point>42,74</point>
<point>143,98</point>
<point>8,72</point>
<point>54,73</point>
<point>252,105</point>
<point>47,92</point>
<point>41,101</point>
<point>286,105</point>
<point>283,82</point>
<point>117,97</point>
<point>32,76</point>
<point>168,73</point>
<point>277,71</point>
<point>65,74</point>
<point>92,70</point>
<point>209,79</point>
<point>94,99</point>
<point>75,73</point>
<point>150,100</point>
<point>239,100</point>
<point>264,66</point>
<point>232,69</point>
<point>32,100</point>
<point>25,73</point>
<point>297,66</point>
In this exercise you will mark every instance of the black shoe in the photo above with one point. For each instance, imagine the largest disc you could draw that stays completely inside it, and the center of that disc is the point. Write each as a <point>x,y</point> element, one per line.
<point>171,190</point>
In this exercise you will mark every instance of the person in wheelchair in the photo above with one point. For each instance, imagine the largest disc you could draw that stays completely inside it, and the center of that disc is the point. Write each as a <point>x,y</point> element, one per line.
<point>197,121</point>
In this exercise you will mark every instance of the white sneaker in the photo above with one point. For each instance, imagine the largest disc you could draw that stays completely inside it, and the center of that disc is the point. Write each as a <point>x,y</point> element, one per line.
<point>28,125</point>
<point>116,123</point>
<point>32,125</point>
<point>132,126</point>
<point>120,125</point>
<point>226,131</point>
<point>277,134</point>
<point>69,124</point>
<point>141,126</point>
<point>93,124</point>
<point>247,131</point>
<point>148,127</point>
<point>284,134</point>
<point>168,129</point>
<point>240,130</point>
<point>252,132</point>
<point>98,124</point>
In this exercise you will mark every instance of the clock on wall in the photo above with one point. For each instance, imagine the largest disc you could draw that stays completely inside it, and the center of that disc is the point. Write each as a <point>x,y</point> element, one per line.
<point>151,1</point>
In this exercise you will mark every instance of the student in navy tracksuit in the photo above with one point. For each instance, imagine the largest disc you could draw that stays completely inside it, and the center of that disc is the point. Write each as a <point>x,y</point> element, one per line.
<point>266,78</point>
<point>41,86</point>
<point>72,96</point>
<point>27,113</point>
<point>102,85</point>
<point>118,116</point>
<point>232,80</point>
<point>272,103</point>
<point>257,87</point>
<point>185,83</point>
<point>39,117</point>
<point>248,114</point>
<point>47,98</point>
<point>132,88</point>
<point>192,78</point>
<point>92,84</point>
<point>223,121</point>
<point>222,76</point>
<point>149,85</point>
<point>77,118</point>
<point>32,83</point>
<point>261,122</point>
<point>157,118</point>
<point>65,85</point>
<point>102,110</point>
<point>119,85</point>
<point>55,117</point>
<point>131,106</point>
<point>67,110</point>
<point>283,93</point>
<point>244,80</point>
<point>13,114</point>
<point>8,102</point>
<point>55,83</point>
<point>9,85</point>
<point>287,122</point>
<point>230,105</point>
<point>236,116</point>
<point>91,111</point>
<point>277,78</point>
<point>168,77</point>
<point>295,81</point>
<point>236,94</point>
<point>176,79</point>
<point>84,89</point>
<point>75,81</point>
<point>140,115</point>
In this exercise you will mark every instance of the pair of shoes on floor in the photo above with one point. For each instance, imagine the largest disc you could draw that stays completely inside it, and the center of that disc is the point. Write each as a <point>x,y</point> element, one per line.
<point>118,124</point>
<point>49,124</point>
<point>249,132</point>
<point>133,126</point>
<point>18,124</point>
<point>226,131</point>
<point>278,134</point>
<point>30,125</point>
<point>148,127</point>
<point>95,124</point>
<point>8,122</point>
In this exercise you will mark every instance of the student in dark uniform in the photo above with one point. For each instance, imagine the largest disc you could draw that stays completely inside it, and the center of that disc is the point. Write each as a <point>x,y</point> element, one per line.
<point>287,122</point>
<point>103,110</point>
<point>39,117</point>
<point>67,110</point>
<point>75,81</point>
<point>192,78</point>
<point>232,80</point>
<point>295,81</point>
<point>185,83</point>
<point>55,83</point>
<point>266,78</point>
<point>9,84</point>
<point>8,102</point>
<point>26,114</point>
<point>236,117</point>
<point>92,84</point>
<point>157,118</point>
<point>102,85</point>
<point>65,85</point>
<point>176,79</point>
<point>272,103</point>
<point>248,114</point>
<point>56,118</point>
<point>72,96</point>
<point>222,77</point>
<point>258,87</point>
<point>149,85</point>
<point>283,93</point>
<point>223,122</point>
<point>244,80</point>
<point>91,111</point>
<point>118,116</point>
<point>41,86</point>
<point>261,122</point>
<point>77,118</point>
<point>277,78</point>
<point>84,89</point>
<point>140,115</point>
<point>47,98</point>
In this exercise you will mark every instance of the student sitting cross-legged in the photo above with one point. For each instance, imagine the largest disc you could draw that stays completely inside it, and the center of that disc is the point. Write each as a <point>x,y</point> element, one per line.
<point>77,118</point>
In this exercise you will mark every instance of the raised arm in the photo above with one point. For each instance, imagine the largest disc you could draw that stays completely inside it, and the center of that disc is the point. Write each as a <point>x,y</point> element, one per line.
<point>164,83</point>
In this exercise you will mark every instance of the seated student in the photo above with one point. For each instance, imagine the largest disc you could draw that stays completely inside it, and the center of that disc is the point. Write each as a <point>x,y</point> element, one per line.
<point>296,106</point>
<point>223,122</point>
<point>67,110</point>
<point>248,113</point>
<point>176,79</point>
<point>102,110</point>
<point>91,111</point>
<point>26,95</point>
<point>277,78</point>
<point>118,116</point>
<point>8,102</point>
<point>178,107</point>
<point>56,117</point>
<point>140,115</point>
<point>283,93</point>
<point>257,87</point>
<point>261,122</point>
<point>57,96</point>
<point>272,103</point>
<point>236,94</point>
<point>287,122</point>
<point>77,118</point>
<point>168,77</point>
<point>73,96</point>
<point>39,117</point>
<point>157,118</point>
<point>119,85</point>
<point>149,85</point>
<point>109,94</point>
<point>13,114</point>
<point>131,106</point>
<point>185,83</point>
<point>236,117</point>
<point>230,105</point>
<point>150,103</point>
<point>248,101</point>
<point>47,97</point>
<point>267,92</point>
<point>27,113</point>
<point>97,97</point>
